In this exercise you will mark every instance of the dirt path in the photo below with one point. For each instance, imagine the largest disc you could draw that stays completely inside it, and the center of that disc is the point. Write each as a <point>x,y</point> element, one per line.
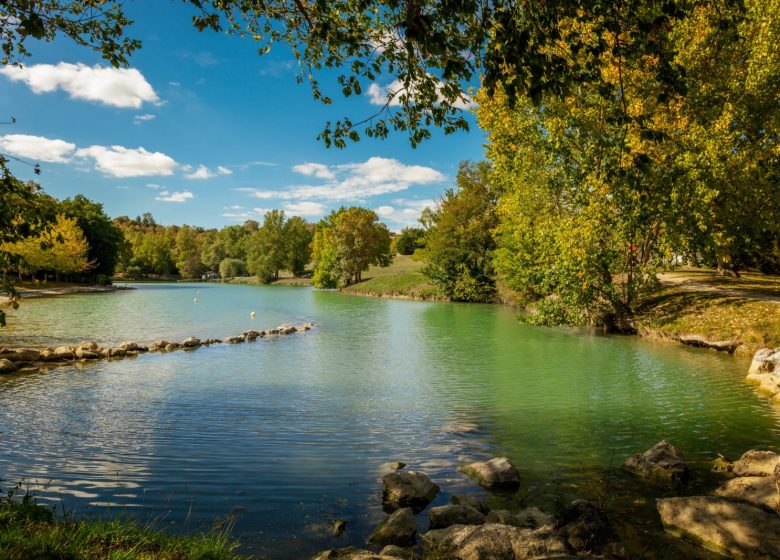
<point>697,282</point>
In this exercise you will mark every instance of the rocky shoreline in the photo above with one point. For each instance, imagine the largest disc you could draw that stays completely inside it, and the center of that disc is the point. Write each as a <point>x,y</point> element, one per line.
<point>765,372</point>
<point>25,359</point>
<point>739,519</point>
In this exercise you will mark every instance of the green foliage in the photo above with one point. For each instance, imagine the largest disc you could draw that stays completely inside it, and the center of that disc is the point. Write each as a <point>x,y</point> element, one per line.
<point>409,240</point>
<point>298,237</point>
<point>346,243</point>
<point>230,268</point>
<point>105,239</point>
<point>98,24</point>
<point>267,248</point>
<point>459,238</point>
<point>31,531</point>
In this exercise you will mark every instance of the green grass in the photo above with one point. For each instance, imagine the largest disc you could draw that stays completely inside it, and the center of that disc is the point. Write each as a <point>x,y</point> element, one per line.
<point>402,279</point>
<point>675,311</point>
<point>32,532</point>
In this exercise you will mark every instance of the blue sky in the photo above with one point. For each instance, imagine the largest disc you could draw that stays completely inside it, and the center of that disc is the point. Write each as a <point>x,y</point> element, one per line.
<point>201,130</point>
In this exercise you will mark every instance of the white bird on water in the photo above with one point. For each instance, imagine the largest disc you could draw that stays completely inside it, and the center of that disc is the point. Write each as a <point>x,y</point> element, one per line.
<point>253,314</point>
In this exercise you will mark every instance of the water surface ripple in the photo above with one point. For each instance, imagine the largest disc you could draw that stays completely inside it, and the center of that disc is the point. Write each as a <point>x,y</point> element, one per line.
<point>288,434</point>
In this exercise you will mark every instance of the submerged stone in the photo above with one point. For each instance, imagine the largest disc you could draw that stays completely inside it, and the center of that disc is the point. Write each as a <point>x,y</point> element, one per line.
<point>661,463</point>
<point>498,472</point>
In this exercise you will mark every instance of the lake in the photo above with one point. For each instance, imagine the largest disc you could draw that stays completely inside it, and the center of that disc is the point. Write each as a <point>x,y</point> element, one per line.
<point>288,434</point>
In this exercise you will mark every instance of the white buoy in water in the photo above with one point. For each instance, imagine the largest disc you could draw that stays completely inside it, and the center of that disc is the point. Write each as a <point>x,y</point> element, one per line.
<point>253,314</point>
<point>195,300</point>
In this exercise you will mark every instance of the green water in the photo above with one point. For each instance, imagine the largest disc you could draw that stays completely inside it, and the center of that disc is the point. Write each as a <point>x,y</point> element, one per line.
<point>288,434</point>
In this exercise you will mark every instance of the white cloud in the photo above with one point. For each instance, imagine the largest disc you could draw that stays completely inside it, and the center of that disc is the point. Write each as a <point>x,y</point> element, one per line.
<point>356,181</point>
<point>174,84</point>
<point>119,161</point>
<point>138,119</point>
<point>37,148</point>
<point>385,211</point>
<point>118,87</point>
<point>203,172</point>
<point>391,95</point>
<point>408,214</point>
<point>304,208</point>
<point>235,207</point>
<point>152,186</point>
<point>182,196</point>
<point>317,170</point>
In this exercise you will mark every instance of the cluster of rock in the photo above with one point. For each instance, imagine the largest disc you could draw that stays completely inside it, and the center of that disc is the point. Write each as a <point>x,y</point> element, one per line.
<point>14,360</point>
<point>466,529</point>
<point>765,371</point>
<point>741,519</point>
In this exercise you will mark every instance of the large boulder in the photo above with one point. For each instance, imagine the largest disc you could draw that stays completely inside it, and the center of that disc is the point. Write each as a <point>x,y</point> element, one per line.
<point>234,339</point>
<point>661,463</point>
<point>407,489</point>
<point>7,366</point>
<point>191,342</point>
<point>444,516</point>
<point>765,371</point>
<point>114,352</point>
<point>498,472</point>
<point>493,541</point>
<point>731,528</point>
<point>765,360</point>
<point>757,490</point>
<point>756,463</point>
<point>397,529</point>
<point>129,346</point>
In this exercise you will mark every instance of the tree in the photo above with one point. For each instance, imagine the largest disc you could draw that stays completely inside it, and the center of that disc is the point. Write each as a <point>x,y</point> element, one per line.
<point>24,215</point>
<point>346,243</point>
<point>188,253</point>
<point>62,249</point>
<point>459,237</point>
<point>409,240</point>
<point>105,239</point>
<point>298,238</point>
<point>230,268</point>
<point>266,248</point>
<point>69,247</point>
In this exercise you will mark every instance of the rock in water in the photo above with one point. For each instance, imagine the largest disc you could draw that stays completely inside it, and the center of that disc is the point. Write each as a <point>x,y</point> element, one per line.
<point>495,542</point>
<point>397,529</point>
<point>191,342</point>
<point>661,463</point>
<point>756,463</point>
<point>757,490</point>
<point>587,529</point>
<point>730,528</point>
<point>444,516</point>
<point>498,472</point>
<point>7,366</point>
<point>470,500</point>
<point>407,489</point>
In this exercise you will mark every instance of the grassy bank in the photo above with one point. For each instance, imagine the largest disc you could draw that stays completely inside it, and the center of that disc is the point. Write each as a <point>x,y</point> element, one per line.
<point>698,302</point>
<point>403,279</point>
<point>32,532</point>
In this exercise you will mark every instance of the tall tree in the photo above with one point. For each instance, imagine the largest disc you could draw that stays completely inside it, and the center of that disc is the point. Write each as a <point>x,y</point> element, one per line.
<point>298,238</point>
<point>105,239</point>
<point>459,237</point>
<point>346,243</point>
<point>266,248</point>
